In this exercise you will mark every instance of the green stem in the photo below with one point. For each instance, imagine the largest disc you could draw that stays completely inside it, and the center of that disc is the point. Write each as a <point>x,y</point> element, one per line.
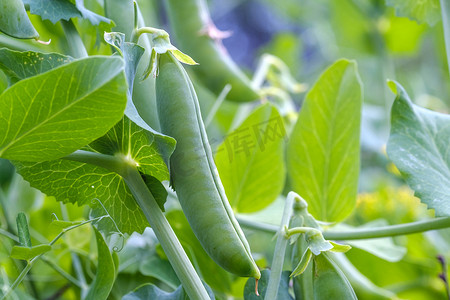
<point>29,264</point>
<point>158,222</point>
<point>445,8</point>
<point>211,114</point>
<point>76,45</point>
<point>369,233</point>
<point>280,249</point>
<point>61,271</point>
<point>388,231</point>
<point>9,235</point>
<point>250,224</point>
<point>169,242</point>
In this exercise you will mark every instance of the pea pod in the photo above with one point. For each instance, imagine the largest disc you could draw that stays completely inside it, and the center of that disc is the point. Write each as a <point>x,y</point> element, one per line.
<point>190,22</point>
<point>329,281</point>
<point>193,172</point>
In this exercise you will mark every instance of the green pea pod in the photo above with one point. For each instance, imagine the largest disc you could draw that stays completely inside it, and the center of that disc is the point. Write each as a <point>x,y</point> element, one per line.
<point>14,20</point>
<point>194,175</point>
<point>329,281</point>
<point>190,22</point>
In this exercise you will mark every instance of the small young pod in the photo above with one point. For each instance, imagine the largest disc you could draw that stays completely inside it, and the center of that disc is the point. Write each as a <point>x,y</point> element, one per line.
<point>193,172</point>
<point>329,281</point>
<point>194,32</point>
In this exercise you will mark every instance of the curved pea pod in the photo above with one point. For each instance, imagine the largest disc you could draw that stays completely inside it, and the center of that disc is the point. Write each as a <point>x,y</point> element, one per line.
<point>329,281</point>
<point>194,32</point>
<point>14,20</point>
<point>194,175</point>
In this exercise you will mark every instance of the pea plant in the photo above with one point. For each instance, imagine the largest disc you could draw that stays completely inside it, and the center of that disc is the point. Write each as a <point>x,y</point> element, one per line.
<point>139,160</point>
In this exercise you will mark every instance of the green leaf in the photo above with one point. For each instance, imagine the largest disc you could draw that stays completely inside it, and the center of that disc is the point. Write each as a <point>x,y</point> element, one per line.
<point>283,290</point>
<point>158,190</point>
<point>26,253</point>
<point>150,291</point>
<point>339,247</point>
<point>20,65</point>
<point>53,114</point>
<point>80,183</point>
<point>323,150</point>
<point>53,10</point>
<point>63,224</point>
<point>419,147</point>
<point>22,230</point>
<point>316,243</point>
<point>106,274</point>
<point>94,18</point>
<point>427,11</point>
<point>14,20</point>
<point>160,269</point>
<point>303,264</point>
<point>250,161</point>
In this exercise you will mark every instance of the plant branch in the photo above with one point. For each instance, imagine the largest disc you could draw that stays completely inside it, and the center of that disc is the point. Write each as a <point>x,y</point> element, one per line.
<point>280,249</point>
<point>387,231</point>
<point>369,233</point>
<point>169,242</point>
<point>76,45</point>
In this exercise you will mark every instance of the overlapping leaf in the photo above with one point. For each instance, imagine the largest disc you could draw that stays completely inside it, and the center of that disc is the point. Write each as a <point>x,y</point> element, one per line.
<point>55,113</point>
<point>250,161</point>
<point>20,65</point>
<point>323,150</point>
<point>81,183</point>
<point>424,11</point>
<point>419,145</point>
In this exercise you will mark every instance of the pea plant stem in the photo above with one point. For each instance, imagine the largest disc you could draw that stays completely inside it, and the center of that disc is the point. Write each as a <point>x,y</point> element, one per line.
<point>386,231</point>
<point>76,45</point>
<point>158,222</point>
<point>280,249</point>
<point>177,256</point>
<point>369,233</point>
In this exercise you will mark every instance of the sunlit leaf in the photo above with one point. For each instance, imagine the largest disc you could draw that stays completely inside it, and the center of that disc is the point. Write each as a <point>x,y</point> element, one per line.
<point>55,113</point>
<point>323,150</point>
<point>250,161</point>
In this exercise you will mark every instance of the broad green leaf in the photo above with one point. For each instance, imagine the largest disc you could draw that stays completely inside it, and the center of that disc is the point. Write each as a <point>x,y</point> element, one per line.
<point>20,65</point>
<point>14,20</point>
<point>323,150</point>
<point>53,10</point>
<point>150,291</point>
<point>81,183</point>
<point>160,269</point>
<point>421,11</point>
<point>250,161</point>
<point>283,290</point>
<point>53,114</point>
<point>28,253</point>
<point>105,275</point>
<point>22,230</point>
<point>419,147</point>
